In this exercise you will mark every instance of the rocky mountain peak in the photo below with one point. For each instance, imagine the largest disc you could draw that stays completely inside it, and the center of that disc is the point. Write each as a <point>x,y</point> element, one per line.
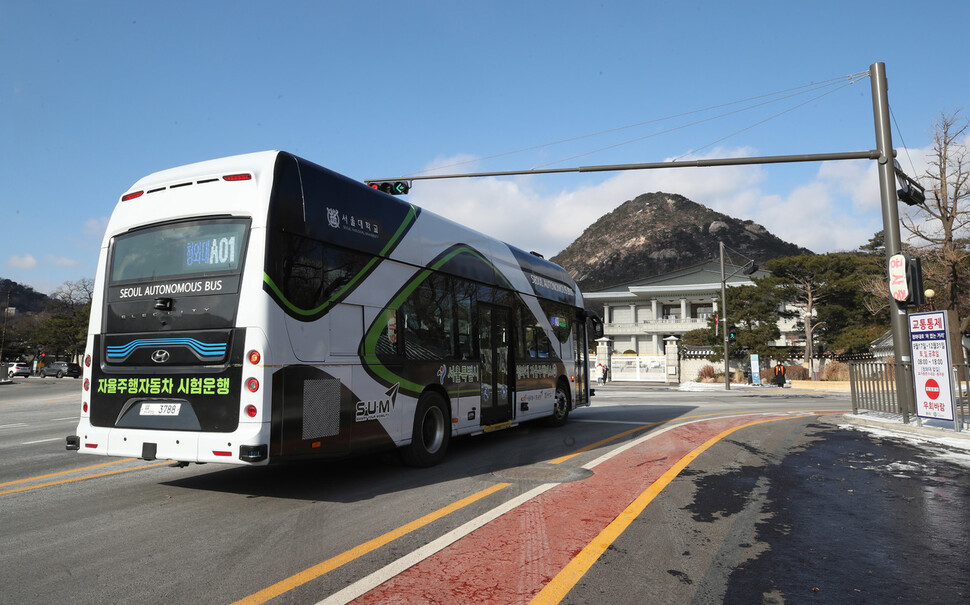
<point>660,232</point>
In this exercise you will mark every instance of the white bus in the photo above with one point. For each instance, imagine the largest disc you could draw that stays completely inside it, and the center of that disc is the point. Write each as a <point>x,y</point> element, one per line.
<point>262,308</point>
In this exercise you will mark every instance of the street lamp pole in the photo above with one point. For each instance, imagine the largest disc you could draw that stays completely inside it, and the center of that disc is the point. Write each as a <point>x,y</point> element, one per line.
<point>747,269</point>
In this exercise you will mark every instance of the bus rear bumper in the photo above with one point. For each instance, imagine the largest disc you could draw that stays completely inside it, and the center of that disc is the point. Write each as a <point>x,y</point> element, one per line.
<point>248,445</point>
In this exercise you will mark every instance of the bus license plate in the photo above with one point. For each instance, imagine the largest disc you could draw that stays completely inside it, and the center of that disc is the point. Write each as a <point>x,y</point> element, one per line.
<point>160,409</point>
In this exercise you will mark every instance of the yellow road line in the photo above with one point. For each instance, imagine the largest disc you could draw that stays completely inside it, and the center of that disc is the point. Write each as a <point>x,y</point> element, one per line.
<point>76,470</point>
<point>566,579</point>
<point>123,470</point>
<point>334,562</point>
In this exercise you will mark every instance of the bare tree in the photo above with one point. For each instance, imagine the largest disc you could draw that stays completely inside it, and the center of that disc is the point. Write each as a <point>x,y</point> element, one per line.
<point>940,226</point>
<point>75,294</point>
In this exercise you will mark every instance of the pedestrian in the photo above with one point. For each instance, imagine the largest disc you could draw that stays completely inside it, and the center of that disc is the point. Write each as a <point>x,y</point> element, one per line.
<point>606,374</point>
<point>600,373</point>
<point>779,379</point>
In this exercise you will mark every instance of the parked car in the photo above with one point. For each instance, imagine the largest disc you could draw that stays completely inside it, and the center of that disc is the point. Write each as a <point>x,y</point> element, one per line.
<point>18,369</point>
<point>61,369</point>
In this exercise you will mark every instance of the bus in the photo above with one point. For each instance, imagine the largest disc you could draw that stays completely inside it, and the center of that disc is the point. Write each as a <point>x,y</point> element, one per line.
<point>261,308</point>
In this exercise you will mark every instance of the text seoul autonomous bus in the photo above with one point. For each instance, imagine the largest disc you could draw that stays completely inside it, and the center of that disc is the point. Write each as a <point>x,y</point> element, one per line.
<point>262,308</point>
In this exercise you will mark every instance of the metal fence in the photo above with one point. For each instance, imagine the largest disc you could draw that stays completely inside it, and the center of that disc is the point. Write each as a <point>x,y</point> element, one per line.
<point>873,388</point>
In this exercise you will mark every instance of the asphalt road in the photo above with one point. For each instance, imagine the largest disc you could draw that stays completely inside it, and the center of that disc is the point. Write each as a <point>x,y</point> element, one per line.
<point>649,496</point>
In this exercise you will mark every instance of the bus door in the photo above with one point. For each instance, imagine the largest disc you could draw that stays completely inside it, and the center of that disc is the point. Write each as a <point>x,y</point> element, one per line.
<point>495,344</point>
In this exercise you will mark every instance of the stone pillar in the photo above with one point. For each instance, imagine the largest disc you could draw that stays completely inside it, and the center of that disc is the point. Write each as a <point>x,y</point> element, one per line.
<point>653,307</point>
<point>683,309</point>
<point>633,312</point>
<point>656,344</point>
<point>672,375</point>
<point>604,351</point>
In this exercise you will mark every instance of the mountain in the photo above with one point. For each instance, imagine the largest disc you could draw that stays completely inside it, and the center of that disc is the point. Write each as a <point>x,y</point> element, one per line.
<point>24,298</point>
<point>660,232</point>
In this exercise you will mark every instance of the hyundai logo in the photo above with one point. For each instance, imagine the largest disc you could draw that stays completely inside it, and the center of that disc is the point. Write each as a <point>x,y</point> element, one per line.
<point>160,356</point>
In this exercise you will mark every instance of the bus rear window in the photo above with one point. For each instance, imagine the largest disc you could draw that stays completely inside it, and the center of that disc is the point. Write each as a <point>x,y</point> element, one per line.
<point>175,250</point>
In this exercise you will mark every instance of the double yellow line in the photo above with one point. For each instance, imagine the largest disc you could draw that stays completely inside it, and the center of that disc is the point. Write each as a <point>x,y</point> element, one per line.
<point>73,479</point>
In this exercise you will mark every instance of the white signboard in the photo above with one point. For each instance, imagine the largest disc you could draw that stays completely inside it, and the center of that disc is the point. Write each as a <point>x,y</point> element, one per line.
<point>931,365</point>
<point>755,369</point>
<point>897,277</point>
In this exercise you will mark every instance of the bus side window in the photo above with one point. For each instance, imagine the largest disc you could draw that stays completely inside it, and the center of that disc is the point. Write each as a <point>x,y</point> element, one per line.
<point>529,341</point>
<point>428,322</point>
<point>465,293</point>
<point>387,342</point>
<point>542,343</point>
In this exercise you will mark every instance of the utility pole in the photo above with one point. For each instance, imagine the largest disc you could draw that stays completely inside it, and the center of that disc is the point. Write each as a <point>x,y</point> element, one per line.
<point>890,224</point>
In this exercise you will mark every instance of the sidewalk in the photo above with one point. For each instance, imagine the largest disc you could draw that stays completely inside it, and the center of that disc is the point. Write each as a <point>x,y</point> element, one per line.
<point>937,431</point>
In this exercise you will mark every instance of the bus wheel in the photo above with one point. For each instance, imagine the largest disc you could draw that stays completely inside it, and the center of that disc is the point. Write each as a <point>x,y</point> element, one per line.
<point>560,411</point>
<point>431,432</point>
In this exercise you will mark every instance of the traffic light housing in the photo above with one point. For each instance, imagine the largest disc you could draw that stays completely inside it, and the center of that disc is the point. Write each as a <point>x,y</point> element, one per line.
<point>732,335</point>
<point>392,187</point>
<point>910,192</point>
<point>914,277</point>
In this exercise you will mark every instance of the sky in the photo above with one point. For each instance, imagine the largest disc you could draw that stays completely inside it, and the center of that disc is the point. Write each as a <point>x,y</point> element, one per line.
<point>95,95</point>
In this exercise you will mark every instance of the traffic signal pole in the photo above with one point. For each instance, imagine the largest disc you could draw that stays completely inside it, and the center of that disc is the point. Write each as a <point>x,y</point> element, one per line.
<point>884,153</point>
<point>905,394</point>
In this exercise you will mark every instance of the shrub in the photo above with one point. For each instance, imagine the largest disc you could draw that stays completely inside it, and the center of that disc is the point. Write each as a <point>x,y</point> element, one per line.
<point>706,374</point>
<point>796,373</point>
<point>835,370</point>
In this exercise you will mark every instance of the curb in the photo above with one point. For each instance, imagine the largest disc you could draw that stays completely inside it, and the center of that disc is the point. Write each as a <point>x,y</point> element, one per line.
<point>894,423</point>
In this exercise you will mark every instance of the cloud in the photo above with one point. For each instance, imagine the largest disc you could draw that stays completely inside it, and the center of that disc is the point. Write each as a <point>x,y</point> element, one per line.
<point>835,208</point>
<point>94,228</point>
<point>26,262</point>
<point>61,261</point>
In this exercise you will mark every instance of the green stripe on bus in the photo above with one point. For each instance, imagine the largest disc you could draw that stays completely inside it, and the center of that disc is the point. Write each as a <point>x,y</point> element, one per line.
<point>370,339</point>
<point>408,219</point>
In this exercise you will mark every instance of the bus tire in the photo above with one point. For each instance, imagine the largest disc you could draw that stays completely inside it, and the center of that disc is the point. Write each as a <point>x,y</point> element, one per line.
<point>431,432</point>
<point>560,410</point>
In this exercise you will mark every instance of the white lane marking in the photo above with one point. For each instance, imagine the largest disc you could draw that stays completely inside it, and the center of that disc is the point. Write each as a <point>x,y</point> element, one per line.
<point>72,418</point>
<point>12,426</point>
<point>42,441</point>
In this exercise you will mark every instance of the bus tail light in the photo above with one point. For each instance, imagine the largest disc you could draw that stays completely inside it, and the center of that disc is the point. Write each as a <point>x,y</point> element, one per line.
<point>132,195</point>
<point>87,384</point>
<point>221,453</point>
<point>84,407</point>
<point>237,177</point>
<point>251,411</point>
<point>254,357</point>
<point>92,446</point>
<point>87,361</point>
<point>253,385</point>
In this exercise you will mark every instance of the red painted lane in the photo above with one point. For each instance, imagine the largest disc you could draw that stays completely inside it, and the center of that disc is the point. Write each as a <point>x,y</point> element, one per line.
<point>510,559</point>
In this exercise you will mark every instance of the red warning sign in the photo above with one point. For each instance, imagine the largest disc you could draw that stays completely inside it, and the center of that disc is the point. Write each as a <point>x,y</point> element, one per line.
<point>932,389</point>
